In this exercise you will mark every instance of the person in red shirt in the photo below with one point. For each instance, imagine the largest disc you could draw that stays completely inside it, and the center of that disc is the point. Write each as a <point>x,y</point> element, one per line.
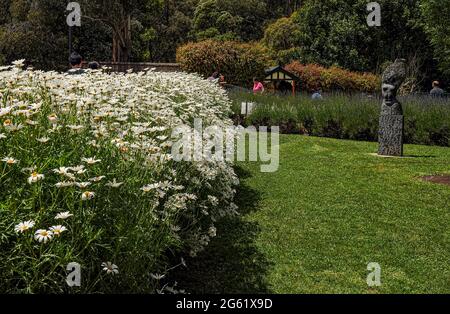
<point>258,87</point>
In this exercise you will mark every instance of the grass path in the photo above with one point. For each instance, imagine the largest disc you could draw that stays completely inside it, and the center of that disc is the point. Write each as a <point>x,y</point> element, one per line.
<point>313,226</point>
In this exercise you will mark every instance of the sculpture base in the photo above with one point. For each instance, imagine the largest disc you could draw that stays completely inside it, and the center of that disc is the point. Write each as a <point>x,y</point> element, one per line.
<point>390,135</point>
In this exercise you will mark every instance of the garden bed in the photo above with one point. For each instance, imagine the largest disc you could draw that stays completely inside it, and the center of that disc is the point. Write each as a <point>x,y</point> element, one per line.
<point>355,117</point>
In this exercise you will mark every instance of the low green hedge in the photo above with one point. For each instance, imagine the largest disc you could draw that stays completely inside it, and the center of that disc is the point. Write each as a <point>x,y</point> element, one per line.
<point>427,120</point>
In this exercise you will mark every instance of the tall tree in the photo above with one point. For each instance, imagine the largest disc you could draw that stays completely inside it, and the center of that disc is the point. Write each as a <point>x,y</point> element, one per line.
<point>244,20</point>
<point>118,15</point>
<point>165,26</point>
<point>336,33</point>
<point>437,23</point>
<point>34,30</point>
<point>284,8</point>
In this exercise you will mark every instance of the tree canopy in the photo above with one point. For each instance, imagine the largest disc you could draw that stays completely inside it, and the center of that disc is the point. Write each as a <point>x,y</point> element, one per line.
<point>327,32</point>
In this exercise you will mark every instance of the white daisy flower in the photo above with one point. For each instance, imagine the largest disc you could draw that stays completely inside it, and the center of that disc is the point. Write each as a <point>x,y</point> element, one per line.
<point>75,127</point>
<point>10,161</point>
<point>35,177</point>
<point>64,184</point>
<point>149,187</point>
<point>62,171</point>
<point>93,143</point>
<point>57,230</point>
<point>114,183</point>
<point>23,112</point>
<point>19,63</point>
<point>97,179</point>
<point>29,169</point>
<point>63,215</point>
<point>5,111</point>
<point>24,226</point>
<point>43,140</point>
<point>110,268</point>
<point>87,195</point>
<point>90,161</point>
<point>171,290</point>
<point>7,123</point>
<point>52,118</point>
<point>14,128</point>
<point>83,185</point>
<point>43,235</point>
<point>157,276</point>
<point>78,169</point>
<point>212,232</point>
<point>2,136</point>
<point>31,122</point>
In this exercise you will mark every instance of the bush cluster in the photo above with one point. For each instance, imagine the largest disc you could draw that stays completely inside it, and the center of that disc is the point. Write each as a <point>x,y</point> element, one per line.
<point>87,177</point>
<point>238,62</point>
<point>333,79</point>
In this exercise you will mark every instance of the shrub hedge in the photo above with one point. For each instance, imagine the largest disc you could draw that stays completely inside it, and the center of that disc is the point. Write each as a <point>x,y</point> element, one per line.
<point>238,62</point>
<point>314,76</point>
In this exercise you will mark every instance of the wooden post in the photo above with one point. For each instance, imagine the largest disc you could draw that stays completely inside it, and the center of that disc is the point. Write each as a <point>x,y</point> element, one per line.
<point>293,88</point>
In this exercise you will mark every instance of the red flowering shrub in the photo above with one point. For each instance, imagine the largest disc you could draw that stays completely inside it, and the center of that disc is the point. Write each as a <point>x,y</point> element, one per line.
<point>313,76</point>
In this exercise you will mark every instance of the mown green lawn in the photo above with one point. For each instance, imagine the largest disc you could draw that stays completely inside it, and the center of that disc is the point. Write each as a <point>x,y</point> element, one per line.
<point>313,226</point>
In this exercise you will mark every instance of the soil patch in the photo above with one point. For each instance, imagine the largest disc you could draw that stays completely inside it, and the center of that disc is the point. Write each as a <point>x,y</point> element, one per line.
<point>442,179</point>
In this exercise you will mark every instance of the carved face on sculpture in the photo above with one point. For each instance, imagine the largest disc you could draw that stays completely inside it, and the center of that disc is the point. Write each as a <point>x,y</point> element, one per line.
<point>389,93</point>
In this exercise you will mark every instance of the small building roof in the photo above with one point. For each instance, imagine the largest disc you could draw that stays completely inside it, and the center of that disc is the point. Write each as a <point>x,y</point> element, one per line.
<point>278,73</point>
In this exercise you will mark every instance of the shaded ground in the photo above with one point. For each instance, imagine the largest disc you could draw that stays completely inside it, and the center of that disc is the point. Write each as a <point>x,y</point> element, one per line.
<point>232,262</point>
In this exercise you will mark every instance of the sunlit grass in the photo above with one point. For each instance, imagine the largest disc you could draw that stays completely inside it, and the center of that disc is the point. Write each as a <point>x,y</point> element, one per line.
<point>332,208</point>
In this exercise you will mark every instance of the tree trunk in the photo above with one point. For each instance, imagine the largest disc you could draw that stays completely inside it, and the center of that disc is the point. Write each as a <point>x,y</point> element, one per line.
<point>288,8</point>
<point>121,45</point>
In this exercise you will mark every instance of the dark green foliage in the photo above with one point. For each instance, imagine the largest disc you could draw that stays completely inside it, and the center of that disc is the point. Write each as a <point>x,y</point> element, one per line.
<point>234,19</point>
<point>283,38</point>
<point>164,26</point>
<point>39,33</point>
<point>437,19</point>
<point>328,32</point>
<point>336,33</point>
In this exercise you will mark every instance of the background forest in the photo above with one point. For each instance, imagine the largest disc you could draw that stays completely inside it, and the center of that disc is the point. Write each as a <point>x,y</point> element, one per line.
<point>328,32</point>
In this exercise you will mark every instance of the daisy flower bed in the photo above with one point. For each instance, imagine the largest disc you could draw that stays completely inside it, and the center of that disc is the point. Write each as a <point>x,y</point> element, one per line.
<point>87,177</point>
